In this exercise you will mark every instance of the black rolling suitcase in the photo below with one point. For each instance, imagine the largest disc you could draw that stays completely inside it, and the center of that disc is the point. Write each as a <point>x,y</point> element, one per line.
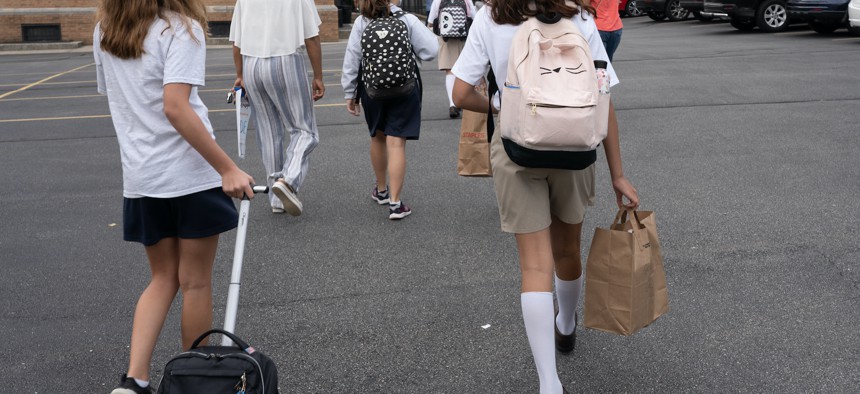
<point>234,367</point>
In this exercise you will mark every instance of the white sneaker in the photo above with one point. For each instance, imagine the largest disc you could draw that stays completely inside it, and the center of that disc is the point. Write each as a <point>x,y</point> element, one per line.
<point>277,210</point>
<point>291,202</point>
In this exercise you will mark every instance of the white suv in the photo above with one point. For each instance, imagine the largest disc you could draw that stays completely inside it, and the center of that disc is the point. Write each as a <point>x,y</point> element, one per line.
<point>854,16</point>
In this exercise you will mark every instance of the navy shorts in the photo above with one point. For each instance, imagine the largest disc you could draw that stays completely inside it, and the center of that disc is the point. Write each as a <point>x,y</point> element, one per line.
<point>147,219</point>
<point>399,117</point>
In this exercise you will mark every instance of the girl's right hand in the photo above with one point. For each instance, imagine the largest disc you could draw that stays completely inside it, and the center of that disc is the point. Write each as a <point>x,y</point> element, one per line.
<point>239,83</point>
<point>352,107</point>
<point>236,183</point>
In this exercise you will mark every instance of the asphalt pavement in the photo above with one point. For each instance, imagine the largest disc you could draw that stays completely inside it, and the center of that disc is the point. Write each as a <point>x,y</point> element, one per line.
<point>743,143</point>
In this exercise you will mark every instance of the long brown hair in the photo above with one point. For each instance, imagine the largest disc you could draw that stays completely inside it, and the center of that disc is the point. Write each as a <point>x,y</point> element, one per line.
<point>514,12</point>
<point>125,23</point>
<point>371,9</point>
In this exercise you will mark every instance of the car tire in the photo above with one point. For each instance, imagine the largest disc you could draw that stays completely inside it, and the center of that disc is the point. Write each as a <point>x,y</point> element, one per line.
<point>675,12</point>
<point>703,16</point>
<point>772,16</point>
<point>742,23</point>
<point>657,15</point>
<point>631,10</point>
<point>824,28</point>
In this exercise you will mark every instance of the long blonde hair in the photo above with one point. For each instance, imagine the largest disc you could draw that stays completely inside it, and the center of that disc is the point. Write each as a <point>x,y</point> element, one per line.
<point>125,23</point>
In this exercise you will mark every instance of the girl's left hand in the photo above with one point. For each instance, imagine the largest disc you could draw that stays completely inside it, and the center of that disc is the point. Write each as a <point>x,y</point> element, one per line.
<point>623,188</point>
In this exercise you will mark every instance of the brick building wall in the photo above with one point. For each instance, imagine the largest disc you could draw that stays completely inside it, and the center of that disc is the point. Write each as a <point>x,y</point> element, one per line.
<point>76,18</point>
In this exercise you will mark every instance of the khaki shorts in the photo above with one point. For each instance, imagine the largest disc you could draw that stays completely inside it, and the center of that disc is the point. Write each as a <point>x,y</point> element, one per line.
<point>449,51</point>
<point>529,197</point>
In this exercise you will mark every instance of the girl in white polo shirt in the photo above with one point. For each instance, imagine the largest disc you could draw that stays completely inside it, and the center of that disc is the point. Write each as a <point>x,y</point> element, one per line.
<point>177,182</point>
<point>544,208</point>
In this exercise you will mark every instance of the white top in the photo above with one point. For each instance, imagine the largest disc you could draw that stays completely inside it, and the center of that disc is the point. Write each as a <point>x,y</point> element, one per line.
<point>269,28</point>
<point>488,45</point>
<point>425,44</point>
<point>434,10</point>
<point>156,160</point>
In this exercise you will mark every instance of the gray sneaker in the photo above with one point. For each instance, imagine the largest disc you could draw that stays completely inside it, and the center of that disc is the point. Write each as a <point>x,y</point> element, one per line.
<point>288,197</point>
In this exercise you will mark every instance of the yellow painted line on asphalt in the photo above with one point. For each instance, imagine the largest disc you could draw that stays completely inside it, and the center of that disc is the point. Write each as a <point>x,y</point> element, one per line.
<point>48,83</point>
<point>44,80</point>
<point>52,98</point>
<point>57,118</point>
<point>24,74</point>
<point>108,116</point>
<point>846,39</point>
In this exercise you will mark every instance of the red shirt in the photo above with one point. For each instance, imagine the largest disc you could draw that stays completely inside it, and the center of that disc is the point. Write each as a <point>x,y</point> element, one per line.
<point>608,18</point>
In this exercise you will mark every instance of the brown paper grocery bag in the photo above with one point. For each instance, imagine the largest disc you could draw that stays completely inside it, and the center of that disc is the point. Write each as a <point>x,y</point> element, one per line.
<point>473,157</point>
<point>625,286</point>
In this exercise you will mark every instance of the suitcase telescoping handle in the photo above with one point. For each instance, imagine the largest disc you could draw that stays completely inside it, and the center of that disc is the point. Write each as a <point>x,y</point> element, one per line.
<point>236,276</point>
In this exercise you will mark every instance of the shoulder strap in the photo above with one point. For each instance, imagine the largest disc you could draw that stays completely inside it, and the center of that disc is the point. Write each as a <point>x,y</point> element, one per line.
<point>492,88</point>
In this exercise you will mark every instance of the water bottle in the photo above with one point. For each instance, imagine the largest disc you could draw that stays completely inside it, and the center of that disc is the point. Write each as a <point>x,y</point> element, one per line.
<point>602,76</point>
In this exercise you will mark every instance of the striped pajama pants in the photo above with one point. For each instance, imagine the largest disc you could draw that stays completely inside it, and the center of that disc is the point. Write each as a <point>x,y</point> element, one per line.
<point>281,96</point>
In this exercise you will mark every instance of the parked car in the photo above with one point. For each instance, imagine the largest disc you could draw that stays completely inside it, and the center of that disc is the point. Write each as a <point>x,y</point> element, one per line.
<point>697,8</point>
<point>854,16</point>
<point>628,8</point>
<point>824,16</point>
<point>768,15</point>
<point>662,9</point>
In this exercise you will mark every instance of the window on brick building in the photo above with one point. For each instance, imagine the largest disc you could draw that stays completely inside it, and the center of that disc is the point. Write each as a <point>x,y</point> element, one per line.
<point>219,28</point>
<point>41,33</point>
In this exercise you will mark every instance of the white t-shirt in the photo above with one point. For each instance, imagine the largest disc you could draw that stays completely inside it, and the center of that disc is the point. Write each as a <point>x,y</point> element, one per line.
<point>156,160</point>
<point>269,28</point>
<point>489,43</point>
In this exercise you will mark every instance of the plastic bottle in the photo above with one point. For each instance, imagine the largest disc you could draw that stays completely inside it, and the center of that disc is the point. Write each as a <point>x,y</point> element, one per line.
<point>602,76</point>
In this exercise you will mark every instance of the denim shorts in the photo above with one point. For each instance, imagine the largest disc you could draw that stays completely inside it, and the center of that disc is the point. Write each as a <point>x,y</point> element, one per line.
<point>197,215</point>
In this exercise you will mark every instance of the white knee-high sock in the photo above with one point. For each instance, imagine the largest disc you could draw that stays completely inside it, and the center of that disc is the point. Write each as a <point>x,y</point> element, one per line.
<point>449,85</point>
<point>567,293</point>
<point>538,318</point>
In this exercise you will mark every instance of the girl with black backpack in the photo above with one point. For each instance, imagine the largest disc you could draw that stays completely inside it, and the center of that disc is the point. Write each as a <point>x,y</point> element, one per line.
<point>380,73</point>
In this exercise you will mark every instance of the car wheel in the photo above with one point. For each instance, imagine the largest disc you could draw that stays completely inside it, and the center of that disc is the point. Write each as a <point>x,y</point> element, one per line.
<point>772,16</point>
<point>656,15</point>
<point>742,23</point>
<point>703,16</point>
<point>631,10</point>
<point>675,12</point>
<point>823,28</point>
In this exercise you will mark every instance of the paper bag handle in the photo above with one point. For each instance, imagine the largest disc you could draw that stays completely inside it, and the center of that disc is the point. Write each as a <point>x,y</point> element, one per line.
<point>622,216</point>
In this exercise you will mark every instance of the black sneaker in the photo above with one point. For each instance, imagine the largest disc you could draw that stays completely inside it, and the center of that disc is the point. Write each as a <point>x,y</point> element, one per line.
<point>398,212</point>
<point>566,343</point>
<point>380,198</point>
<point>127,385</point>
<point>453,112</point>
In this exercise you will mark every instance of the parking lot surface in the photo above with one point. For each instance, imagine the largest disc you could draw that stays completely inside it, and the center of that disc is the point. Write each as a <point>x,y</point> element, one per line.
<point>743,143</point>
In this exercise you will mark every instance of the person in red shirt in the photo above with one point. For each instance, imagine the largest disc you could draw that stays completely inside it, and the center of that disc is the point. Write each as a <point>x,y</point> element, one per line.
<point>608,24</point>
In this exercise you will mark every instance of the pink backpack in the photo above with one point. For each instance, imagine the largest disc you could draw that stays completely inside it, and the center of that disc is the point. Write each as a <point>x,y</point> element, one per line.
<point>552,114</point>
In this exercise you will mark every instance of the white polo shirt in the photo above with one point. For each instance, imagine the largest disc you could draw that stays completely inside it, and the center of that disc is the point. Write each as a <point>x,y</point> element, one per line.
<point>269,28</point>
<point>489,43</point>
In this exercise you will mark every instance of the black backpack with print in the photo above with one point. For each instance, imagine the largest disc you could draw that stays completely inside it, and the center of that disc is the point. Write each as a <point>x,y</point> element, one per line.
<point>388,66</point>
